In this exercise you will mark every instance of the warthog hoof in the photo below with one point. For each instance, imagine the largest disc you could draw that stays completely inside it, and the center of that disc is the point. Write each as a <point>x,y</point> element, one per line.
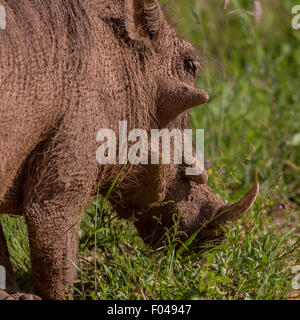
<point>18,296</point>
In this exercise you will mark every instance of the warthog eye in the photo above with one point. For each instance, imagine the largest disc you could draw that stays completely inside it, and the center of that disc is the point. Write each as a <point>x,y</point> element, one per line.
<point>192,66</point>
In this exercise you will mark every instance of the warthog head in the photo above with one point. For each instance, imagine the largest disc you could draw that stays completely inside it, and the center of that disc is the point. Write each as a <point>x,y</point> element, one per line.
<point>169,67</point>
<point>172,62</point>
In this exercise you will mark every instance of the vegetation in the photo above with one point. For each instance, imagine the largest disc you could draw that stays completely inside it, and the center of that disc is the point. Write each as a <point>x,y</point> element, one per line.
<point>251,70</point>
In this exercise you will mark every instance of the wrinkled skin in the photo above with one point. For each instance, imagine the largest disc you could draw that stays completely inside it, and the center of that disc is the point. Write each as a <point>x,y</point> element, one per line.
<point>67,70</point>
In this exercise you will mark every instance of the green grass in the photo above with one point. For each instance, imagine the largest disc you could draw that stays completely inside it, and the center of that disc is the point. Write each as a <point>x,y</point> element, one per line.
<point>253,262</point>
<point>255,97</point>
<point>251,71</point>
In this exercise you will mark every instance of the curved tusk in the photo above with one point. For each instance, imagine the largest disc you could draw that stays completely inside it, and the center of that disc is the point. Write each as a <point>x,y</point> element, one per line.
<point>236,210</point>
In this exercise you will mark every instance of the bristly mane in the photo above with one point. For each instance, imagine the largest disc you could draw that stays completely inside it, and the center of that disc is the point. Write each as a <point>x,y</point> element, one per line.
<point>64,23</point>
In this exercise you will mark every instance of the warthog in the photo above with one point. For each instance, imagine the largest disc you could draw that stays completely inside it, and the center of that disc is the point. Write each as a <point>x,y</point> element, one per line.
<point>69,68</point>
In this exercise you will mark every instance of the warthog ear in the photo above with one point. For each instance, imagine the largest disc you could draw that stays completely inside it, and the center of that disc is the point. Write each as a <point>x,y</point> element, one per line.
<point>143,19</point>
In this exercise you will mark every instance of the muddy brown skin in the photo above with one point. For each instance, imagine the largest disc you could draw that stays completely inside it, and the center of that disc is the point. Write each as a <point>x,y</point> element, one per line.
<point>67,70</point>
